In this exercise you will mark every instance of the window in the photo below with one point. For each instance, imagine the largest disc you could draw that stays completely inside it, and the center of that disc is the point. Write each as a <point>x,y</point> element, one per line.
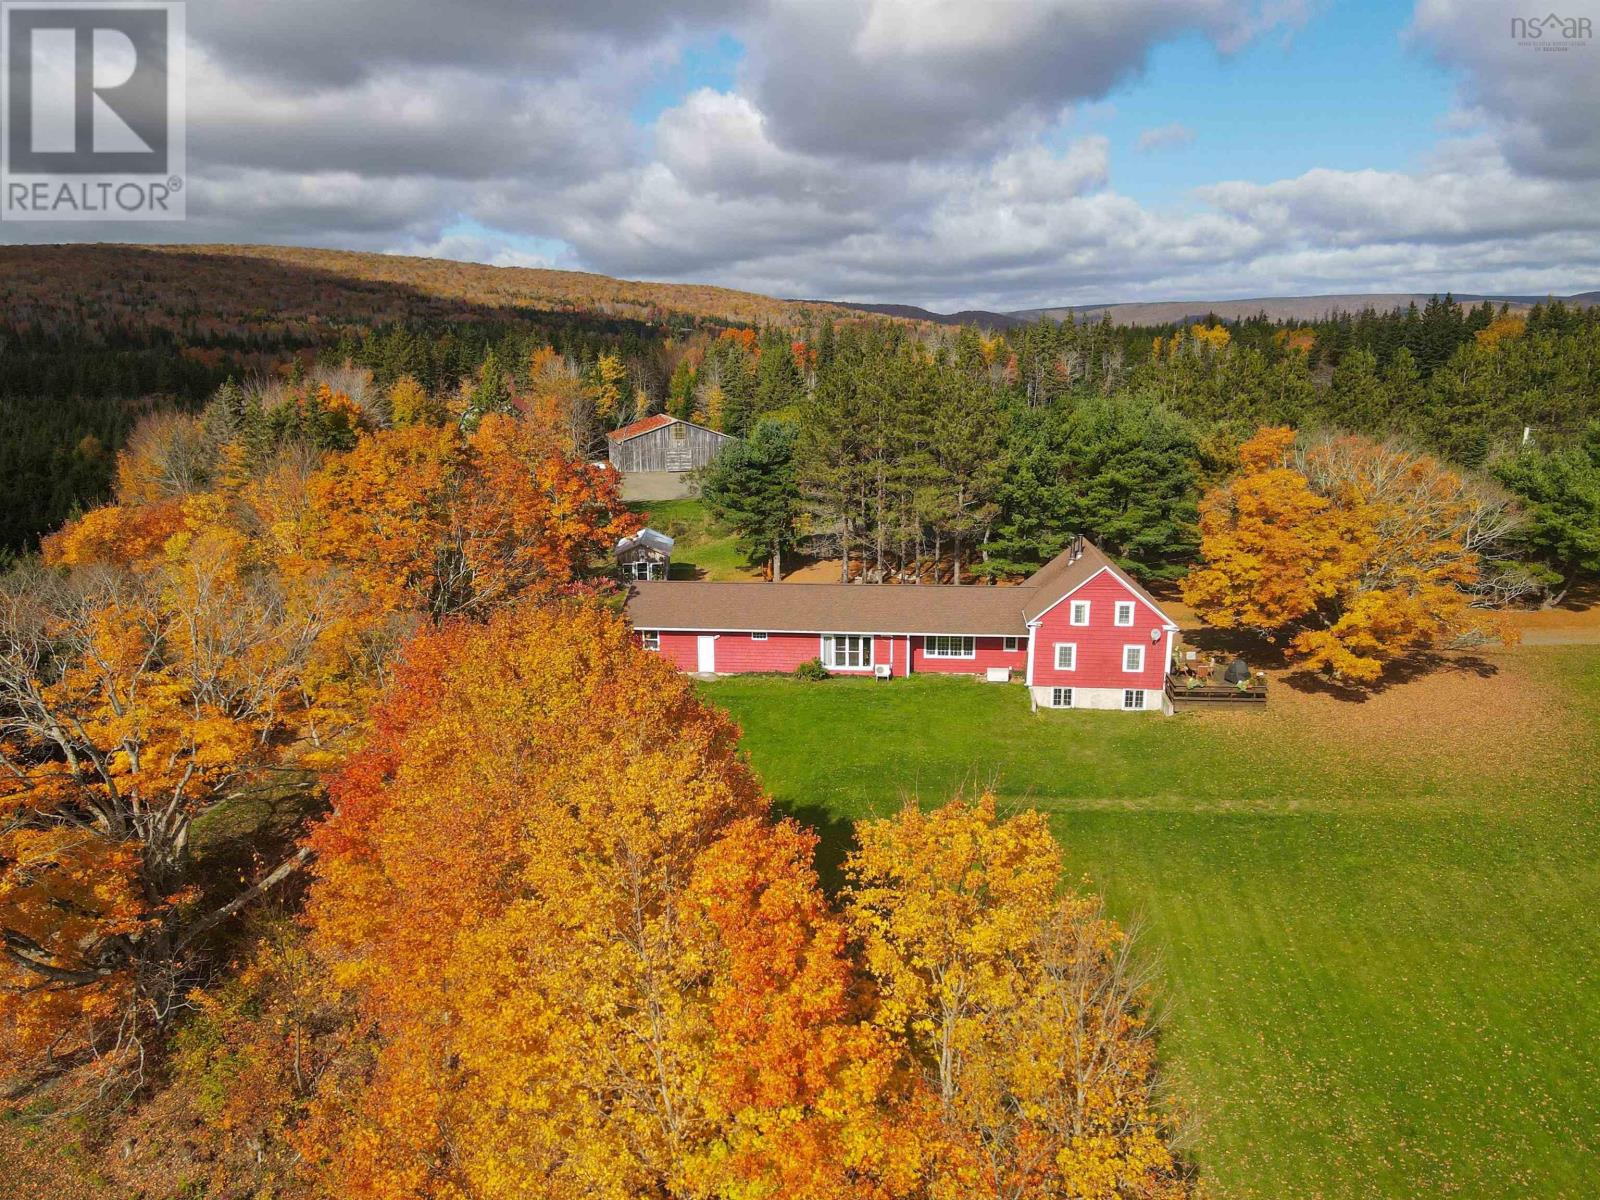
<point>1066,656</point>
<point>1133,658</point>
<point>758,637</point>
<point>1133,698</point>
<point>680,432</point>
<point>847,651</point>
<point>650,639</point>
<point>1080,612</point>
<point>1011,644</point>
<point>644,569</point>
<point>1060,697</point>
<point>942,646</point>
<point>1124,612</point>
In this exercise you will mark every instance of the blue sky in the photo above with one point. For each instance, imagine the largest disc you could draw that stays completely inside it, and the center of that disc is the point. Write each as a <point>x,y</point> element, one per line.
<point>1345,91</point>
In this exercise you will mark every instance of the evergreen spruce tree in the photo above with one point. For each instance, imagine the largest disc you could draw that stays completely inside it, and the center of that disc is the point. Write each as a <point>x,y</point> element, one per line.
<point>753,487</point>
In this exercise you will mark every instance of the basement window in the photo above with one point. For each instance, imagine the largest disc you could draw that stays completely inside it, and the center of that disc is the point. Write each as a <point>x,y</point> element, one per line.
<point>1133,698</point>
<point>1060,697</point>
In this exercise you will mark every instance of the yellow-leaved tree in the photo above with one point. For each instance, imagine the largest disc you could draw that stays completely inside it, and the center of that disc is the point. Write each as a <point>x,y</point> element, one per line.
<point>1021,1007</point>
<point>1355,552</point>
<point>585,953</point>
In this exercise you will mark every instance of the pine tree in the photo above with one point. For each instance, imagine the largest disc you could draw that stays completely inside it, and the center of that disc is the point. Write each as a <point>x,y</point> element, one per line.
<point>753,487</point>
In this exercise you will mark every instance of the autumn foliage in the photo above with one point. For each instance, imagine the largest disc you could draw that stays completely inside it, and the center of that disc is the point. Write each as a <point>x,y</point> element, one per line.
<point>1019,1007</point>
<point>554,939</point>
<point>227,621</point>
<point>1357,552</point>
<point>624,982</point>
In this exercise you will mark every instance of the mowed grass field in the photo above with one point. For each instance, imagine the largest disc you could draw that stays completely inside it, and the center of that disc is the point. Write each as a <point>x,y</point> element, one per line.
<point>704,549</point>
<point>1377,924</point>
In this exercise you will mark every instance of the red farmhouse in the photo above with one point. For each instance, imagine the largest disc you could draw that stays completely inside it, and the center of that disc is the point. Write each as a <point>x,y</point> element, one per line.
<point>1081,632</point>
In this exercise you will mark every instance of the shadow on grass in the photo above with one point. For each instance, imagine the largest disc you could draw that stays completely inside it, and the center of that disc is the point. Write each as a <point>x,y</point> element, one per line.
<point>1397,674</point>
<point>836,836</point>
<point>1262,653</point>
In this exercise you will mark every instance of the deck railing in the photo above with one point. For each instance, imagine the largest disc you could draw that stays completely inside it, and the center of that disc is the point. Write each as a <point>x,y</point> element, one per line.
<point>1182,689</point>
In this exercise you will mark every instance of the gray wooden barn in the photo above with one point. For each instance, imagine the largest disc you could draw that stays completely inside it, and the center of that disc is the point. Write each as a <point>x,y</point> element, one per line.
<point>663,443</point>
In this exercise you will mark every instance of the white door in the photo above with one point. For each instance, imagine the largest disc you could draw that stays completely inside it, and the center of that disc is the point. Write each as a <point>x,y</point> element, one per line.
<point>707,647</point>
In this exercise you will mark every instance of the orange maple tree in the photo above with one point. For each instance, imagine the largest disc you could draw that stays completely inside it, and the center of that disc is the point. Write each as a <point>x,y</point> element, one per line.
<point>222,619</point>
<point>624,982</point>
<point>427,519</point>
<point>1357,552</point>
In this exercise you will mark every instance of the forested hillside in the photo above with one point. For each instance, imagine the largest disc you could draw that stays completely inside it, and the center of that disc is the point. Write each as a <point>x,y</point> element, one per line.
<point>93,336</point>
<point>911,451</point>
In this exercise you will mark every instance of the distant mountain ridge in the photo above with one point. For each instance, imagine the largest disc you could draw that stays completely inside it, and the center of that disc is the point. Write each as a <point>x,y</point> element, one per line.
<point>1167,312</point>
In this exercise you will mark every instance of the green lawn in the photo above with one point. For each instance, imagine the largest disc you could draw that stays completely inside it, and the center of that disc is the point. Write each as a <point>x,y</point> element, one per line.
<point>705,550</point>
<point>1376,923</point>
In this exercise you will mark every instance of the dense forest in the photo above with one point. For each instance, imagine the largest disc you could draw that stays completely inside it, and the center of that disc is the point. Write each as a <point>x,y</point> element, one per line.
<point>919,452</point>
<point>92,337</point>
<point>918,458</point>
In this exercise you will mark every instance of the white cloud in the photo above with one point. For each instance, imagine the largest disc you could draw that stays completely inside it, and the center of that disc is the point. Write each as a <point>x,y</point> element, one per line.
<point>1541,104</point>
<point>1166,137</point>
<point>914,150</point>
<point>901,79</point>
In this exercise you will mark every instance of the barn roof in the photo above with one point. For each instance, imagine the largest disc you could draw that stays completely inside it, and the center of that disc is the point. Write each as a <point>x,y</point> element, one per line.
<point>866,608</point>
<point>651,424</point>
<point>648,425</point>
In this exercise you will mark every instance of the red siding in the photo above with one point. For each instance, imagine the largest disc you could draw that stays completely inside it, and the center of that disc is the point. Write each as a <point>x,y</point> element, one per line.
<point>989,652</point>
<point>1100,642</point>
<point>681,649</point>
<point>738,652</point>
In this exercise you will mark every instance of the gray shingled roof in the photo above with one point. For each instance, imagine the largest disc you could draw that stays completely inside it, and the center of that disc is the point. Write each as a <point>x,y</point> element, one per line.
<point>866,608</point>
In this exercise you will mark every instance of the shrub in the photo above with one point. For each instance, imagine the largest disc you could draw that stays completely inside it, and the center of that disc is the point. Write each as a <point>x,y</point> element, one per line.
<point>812,671</point>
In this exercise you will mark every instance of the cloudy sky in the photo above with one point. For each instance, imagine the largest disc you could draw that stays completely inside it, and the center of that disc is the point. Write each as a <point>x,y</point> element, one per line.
<point>995,153</point>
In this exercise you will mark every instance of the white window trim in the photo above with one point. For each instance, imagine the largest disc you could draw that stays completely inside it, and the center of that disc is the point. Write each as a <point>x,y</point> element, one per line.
<point>1056,658</point>
<point>1129,695</point>
<point>1126,669</point>
<point>1055,694</point>
<point>1126,606</point>
<point>826,646</point>
<point>1072,612</point>
<point>650,639</point>
<point>1011,645</point>
<point>758,637</point>
<point>929,639</point>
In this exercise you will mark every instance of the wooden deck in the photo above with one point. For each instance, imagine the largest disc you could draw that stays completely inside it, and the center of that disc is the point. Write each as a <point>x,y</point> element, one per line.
<point>1212,693</point>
